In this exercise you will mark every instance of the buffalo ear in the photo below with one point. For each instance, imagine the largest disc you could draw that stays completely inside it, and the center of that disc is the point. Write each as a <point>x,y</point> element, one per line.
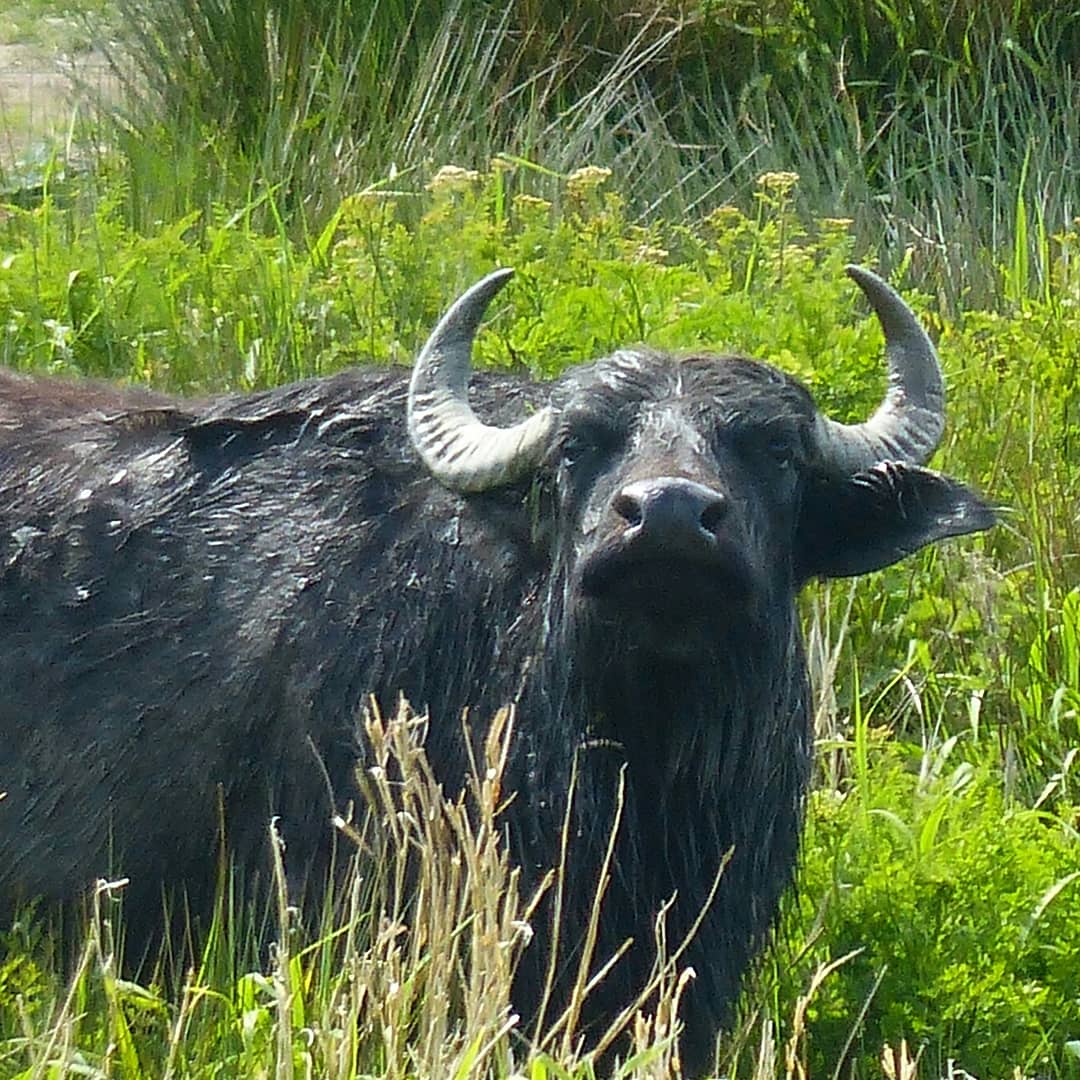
<point>853,524</point>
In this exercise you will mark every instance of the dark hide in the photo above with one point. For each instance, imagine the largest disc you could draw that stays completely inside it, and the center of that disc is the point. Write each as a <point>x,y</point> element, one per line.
<point>197,599</point>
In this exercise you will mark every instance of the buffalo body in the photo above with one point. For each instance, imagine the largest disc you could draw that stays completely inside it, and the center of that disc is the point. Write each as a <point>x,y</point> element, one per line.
<point>198,599</point>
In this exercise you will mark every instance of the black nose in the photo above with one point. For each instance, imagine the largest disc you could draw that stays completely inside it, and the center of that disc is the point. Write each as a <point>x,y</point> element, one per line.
<point>677,515</point>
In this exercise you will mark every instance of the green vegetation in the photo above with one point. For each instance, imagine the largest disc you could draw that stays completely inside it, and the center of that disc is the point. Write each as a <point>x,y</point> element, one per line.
<point>943,130</point>
<point>299,188</point>
<point>47,25</point>
<point>965,908</point>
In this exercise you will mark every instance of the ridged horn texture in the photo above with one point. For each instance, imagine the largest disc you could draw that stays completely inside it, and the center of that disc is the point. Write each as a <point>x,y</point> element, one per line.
<point>459,450</point>
<point>909,423</point>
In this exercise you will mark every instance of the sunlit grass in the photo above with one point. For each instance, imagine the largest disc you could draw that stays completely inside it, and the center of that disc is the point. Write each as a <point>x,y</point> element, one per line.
<point>937,911</point>
<point>949,161</point>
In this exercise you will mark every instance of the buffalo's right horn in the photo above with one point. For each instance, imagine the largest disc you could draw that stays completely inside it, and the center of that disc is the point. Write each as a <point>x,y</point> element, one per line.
<point>909,422</point>
<point>459,450</point>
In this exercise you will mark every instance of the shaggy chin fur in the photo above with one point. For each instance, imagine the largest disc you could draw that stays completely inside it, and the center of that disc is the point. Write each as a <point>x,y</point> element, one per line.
<point>196,600</point>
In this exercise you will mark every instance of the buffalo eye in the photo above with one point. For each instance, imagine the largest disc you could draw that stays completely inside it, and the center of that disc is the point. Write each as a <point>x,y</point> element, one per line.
<point>773,446</point>
<point>782,451</point>
<point>586,442</point>
<point>574,449</point>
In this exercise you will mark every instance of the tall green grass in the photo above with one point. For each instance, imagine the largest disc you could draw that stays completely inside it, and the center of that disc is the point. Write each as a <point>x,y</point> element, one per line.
<point>945,133</point>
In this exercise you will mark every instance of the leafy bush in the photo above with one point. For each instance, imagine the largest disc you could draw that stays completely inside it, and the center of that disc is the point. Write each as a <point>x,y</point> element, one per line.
<point>966,911</point>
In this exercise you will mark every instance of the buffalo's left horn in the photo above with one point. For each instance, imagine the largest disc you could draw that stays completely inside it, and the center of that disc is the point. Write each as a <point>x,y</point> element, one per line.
<point>460,451</point>
<point>909,423</point>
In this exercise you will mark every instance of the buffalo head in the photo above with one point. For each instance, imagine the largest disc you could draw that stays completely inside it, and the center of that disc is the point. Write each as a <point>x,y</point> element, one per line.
<point>694,495</point>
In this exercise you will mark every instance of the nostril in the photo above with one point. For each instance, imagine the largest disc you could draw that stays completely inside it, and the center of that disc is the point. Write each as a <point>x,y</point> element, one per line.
<point>714,513</point>
<point>628,507</point>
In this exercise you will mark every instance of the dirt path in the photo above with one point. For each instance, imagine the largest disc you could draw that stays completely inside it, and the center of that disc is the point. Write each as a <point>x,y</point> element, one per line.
<point>39,98</point>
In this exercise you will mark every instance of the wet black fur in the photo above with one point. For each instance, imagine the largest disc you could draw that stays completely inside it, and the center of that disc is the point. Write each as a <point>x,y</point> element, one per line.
<point>196,599</point>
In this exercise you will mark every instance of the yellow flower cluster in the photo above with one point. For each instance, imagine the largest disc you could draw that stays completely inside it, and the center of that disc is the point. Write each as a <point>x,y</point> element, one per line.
<point>778,183</point>
<point>726,217</point>
<point>523,200</point>
<point>649,253</point>
<point>581,182</point>
<point>452,178</point>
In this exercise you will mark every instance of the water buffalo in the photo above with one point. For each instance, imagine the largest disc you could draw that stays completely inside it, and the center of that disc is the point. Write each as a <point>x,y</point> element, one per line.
<point>196,600</point>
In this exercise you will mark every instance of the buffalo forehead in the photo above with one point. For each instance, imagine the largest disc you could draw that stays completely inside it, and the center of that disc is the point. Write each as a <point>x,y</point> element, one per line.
<point>702,389</point>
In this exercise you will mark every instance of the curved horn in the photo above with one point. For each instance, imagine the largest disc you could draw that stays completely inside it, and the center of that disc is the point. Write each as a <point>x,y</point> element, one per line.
<point>909,423</point>
<point>460,451</point>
